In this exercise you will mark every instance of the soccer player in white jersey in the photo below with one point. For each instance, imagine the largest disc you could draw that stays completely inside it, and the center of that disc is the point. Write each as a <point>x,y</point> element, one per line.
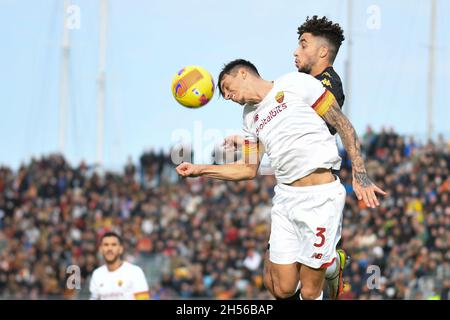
<point>281,118</point>
<point>319,40</point>
<point>117,279</point>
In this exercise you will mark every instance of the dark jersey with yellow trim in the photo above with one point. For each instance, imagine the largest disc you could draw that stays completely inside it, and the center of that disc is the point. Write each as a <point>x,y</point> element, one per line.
<point>330,80</point>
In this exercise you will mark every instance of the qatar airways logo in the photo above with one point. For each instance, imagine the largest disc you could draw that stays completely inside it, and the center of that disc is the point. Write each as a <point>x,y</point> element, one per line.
<point>272,114</point>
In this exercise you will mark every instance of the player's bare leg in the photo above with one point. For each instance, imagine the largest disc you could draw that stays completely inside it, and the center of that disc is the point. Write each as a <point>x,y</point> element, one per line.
<point>312,281</point>
<point>285,278</point>
<point>268,282</point>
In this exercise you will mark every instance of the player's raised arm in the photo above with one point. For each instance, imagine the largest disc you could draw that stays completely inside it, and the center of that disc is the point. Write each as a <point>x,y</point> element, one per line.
<point>363,186</point>
<point>244,169</point>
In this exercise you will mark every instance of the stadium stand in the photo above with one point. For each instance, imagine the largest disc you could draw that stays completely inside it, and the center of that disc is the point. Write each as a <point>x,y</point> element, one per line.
<point>201,238</point>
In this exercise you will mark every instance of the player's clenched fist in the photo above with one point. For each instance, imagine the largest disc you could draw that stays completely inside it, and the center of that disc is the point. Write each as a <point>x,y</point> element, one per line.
<point>233,142</point>
<point>187,169</point>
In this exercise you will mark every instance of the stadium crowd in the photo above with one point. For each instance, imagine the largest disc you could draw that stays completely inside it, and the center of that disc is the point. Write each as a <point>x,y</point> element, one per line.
<point>213,233</point>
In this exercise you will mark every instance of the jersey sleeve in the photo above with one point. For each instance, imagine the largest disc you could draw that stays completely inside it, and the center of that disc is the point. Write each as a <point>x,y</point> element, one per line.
<point>94,289</point>
<point>248,135</point>
<point>250,145</point>
<point>323,103</point>
<point>331,81</point>
<point>315,95</point>
<point>140,285</point>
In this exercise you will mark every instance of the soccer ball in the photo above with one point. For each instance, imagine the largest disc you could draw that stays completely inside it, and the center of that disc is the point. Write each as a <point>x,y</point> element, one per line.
<point>193,86</point>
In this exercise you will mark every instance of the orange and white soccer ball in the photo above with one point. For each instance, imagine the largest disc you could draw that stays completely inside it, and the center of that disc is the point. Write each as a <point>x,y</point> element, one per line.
<point>193,86</point>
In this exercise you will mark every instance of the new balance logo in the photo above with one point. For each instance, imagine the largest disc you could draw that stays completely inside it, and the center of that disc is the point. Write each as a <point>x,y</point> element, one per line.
<point>317,255</point>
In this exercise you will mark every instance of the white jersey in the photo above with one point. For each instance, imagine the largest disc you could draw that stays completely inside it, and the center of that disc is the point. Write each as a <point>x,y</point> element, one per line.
<point>128,282</point>
<point>295,138</point>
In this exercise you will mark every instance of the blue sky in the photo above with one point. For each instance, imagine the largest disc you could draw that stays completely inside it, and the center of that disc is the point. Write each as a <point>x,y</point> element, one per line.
<point>149,41</point>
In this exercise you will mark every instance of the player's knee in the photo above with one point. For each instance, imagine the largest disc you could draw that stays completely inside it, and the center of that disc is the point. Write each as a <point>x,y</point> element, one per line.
<point>282,294</point>
<point>310,293</point>
<point>283,291</point>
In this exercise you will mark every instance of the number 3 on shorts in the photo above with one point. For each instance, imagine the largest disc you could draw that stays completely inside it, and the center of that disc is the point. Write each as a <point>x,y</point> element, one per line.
<point>320,234</point>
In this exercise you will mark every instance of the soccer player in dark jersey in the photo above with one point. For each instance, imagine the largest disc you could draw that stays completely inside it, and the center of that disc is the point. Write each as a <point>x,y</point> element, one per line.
<point>319,40</point>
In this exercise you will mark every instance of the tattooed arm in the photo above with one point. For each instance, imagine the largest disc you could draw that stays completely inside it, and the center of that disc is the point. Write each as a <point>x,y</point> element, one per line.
<point>364,188</point>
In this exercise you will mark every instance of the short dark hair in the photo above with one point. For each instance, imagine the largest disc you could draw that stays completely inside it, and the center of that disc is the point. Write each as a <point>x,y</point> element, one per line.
<point>111,234</point>
<point>232,66</point>
<point>322,27</point>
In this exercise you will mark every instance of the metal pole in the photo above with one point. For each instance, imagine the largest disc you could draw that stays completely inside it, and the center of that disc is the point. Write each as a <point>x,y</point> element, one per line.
<point>431,55</point>
<point>348,69</point>
<point>64,71</point>
<point>101,81</point>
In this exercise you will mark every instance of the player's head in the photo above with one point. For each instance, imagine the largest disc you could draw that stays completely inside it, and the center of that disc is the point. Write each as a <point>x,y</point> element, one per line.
<point>319,40</point>
<point>235,80</point>
<point>111,247</point>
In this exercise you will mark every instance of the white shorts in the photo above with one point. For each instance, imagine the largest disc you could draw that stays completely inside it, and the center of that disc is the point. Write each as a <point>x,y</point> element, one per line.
<point>306,224</point>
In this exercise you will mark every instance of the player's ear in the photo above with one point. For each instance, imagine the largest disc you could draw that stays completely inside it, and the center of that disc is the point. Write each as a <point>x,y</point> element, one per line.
<point>243,73</point>
<point>323,51</point>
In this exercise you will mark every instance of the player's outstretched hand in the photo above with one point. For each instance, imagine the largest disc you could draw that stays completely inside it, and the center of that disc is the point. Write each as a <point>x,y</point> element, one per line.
<point>233,142</point>
<point>366,190</point>
<point>187,169</point>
